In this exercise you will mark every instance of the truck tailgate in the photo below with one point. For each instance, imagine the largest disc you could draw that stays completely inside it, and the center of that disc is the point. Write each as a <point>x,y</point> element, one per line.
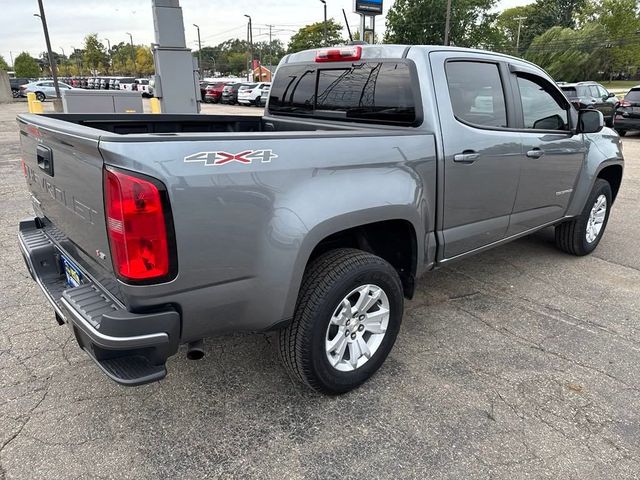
<point>64,175</point>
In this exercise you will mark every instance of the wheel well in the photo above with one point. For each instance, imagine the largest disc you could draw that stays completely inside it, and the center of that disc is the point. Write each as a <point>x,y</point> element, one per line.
<point>613,175</point>
<point>392,240</point>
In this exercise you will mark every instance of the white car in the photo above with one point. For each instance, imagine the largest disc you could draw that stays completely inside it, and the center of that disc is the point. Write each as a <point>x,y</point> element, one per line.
<point>43,89</point>
<point>251,94</point>
<point>145,86</point>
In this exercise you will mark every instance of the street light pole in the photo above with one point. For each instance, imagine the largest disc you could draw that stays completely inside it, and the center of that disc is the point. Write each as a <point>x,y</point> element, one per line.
<point>109,52</point>
<point>133,53</point>
<point>52,63</point>
<point>200,51</point>
<point>250,40</point>
<point>324,3</point>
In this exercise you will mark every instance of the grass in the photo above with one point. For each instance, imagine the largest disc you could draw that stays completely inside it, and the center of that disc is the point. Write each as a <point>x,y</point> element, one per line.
<point>620,84</point>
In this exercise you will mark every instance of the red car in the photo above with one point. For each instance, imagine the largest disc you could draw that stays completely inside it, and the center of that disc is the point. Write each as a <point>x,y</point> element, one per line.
<point>213,92</point>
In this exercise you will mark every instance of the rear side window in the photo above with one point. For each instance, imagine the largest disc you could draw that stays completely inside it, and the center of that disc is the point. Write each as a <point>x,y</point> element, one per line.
<point>476,93</point>
<point>633,95</point>
<point>377,92</point>
<point>570,92</point>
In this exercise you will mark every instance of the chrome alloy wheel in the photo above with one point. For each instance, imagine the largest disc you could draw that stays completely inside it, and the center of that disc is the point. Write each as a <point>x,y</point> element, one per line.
<point>357,328</point>
<point>596,218</point>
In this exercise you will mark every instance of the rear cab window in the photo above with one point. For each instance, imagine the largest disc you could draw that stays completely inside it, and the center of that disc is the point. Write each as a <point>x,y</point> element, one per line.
<point>382,92</point>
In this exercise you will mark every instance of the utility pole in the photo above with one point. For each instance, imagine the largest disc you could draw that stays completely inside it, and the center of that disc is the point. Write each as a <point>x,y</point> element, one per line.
<point>270,51</point>
<point>447,24</point>
<point>133,53</point>
<point>11,58</point>
<point>250,40</point>
<point>324,3</point>
<point>200,52</point>
<point>52,63</point>
<point>519,19</point>
<point>73,52</point>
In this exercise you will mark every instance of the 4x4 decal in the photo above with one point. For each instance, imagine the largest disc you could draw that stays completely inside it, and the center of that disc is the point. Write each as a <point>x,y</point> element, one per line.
<point>222,158</point>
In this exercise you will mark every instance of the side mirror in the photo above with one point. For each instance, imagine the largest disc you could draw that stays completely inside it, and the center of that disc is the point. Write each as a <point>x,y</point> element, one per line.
<point>590,121</point>
<point>611,95</point>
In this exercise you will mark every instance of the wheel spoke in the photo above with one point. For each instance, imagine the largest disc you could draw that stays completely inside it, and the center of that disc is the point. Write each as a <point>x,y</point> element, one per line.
<point>354,354</point>
<point>364,348</point>
<point>599,216</point>
<point>367,299</point>
<point>339,347</point>
<point>373,321</point>
<point>342,316</point>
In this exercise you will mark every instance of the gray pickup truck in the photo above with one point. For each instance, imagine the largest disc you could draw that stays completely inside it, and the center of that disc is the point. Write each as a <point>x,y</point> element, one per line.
<point>371,166</point>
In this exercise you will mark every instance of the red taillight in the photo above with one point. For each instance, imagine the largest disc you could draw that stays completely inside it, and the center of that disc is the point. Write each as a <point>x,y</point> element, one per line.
<point>24,167</point>
<point>342,54</point>
<point>137,227</point>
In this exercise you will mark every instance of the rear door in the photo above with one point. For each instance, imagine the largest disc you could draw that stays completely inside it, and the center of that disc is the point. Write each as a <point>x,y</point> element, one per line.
<point>482,153</point>
<point>552,154</point>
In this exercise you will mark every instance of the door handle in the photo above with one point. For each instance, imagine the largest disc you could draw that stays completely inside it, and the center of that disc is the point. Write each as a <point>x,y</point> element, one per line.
<point>468,156</point>
<point>535,153</point>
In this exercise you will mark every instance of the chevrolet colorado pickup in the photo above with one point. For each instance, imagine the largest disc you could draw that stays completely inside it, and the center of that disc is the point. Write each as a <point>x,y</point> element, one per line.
<point>371,166</point>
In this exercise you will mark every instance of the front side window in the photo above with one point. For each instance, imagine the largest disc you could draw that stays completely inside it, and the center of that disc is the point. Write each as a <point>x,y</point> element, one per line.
<point>476,93</point>
<point>541,111</point>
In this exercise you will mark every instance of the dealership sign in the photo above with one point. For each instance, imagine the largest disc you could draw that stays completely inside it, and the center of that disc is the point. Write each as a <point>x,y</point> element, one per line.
<point>368,7</point>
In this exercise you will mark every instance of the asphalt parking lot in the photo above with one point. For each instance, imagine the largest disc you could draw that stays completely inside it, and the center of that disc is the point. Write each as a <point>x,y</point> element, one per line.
<point>522,362</point>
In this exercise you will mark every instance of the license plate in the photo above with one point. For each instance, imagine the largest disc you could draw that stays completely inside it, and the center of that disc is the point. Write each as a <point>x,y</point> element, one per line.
<point>74,277</point>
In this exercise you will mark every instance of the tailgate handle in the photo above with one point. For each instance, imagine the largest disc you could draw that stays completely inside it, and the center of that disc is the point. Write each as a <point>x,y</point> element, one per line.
<point>45,159</point>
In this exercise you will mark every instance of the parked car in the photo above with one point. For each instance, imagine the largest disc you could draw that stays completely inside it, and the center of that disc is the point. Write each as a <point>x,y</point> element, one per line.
<point>591,95</point>
<point>628,112</point>
<point>213,92</point>
<point>143,85</point>
<point>230,93</point>
<point>125,83</point>
<point>43,89</point>
<point>253,94</point>
<point>16,83</point>
<point>373,165</point>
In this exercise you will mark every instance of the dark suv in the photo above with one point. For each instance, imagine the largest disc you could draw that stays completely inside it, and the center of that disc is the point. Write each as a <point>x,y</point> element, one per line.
<point>591,95</point>
<point>628,112</point>
<point>230,93</point>
<point>15,85</point>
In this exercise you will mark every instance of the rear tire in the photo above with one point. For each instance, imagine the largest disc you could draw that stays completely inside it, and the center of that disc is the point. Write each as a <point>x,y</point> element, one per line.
<point>622,133</point>
<point>346,321</point>
<point>15,93</point>
<point>581,235</point>
<point>41,97</point>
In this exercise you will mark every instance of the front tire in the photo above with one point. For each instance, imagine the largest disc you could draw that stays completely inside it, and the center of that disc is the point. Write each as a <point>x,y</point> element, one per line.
<point>582,235</point>
<point>346,321</point>
<point>40,96</point>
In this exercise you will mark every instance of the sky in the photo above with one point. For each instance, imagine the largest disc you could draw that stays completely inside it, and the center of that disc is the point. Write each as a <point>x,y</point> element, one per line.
<point>70,20</point>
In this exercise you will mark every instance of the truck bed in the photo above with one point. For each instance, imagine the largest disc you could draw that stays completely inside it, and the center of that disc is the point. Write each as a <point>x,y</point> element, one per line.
<point>173,124</point>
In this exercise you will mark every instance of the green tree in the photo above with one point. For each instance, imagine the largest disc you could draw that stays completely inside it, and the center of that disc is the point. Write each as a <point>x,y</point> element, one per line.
<point>571,55</point>
<point>621,22</point>
<point>26,66</point>
<point>3,64</point>
<point>312,36</point>
<point>95,56</point>
<point>423,22</point>
<point>144,61</point>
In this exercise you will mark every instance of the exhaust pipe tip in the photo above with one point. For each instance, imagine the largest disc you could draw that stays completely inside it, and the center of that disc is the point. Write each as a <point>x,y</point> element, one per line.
<point>195,350</point>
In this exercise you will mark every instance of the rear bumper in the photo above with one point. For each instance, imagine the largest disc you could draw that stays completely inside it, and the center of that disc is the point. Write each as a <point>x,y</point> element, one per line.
<point>626,123</point>
<point>130,348</point>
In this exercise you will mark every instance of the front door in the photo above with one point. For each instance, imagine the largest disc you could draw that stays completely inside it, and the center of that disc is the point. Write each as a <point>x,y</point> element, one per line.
<point>482,154</point>
<point>552,154</point>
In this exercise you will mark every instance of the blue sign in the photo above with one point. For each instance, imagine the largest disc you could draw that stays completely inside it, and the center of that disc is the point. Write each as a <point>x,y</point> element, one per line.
<point>368,7</point>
